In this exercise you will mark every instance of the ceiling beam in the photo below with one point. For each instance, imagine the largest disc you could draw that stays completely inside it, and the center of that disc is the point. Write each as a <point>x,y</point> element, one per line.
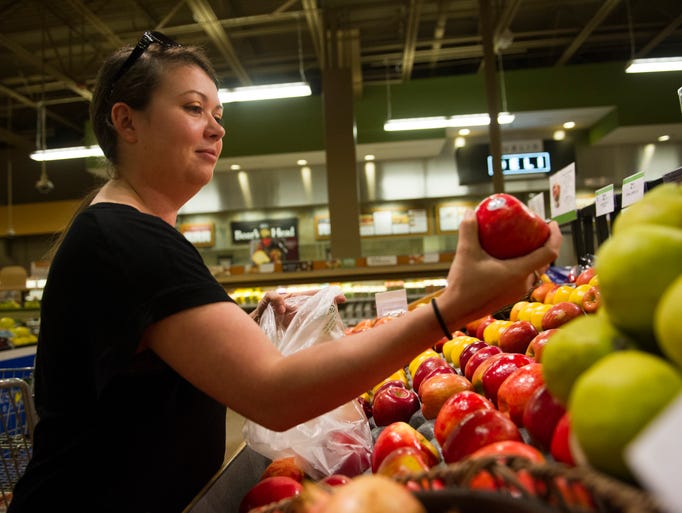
<point>411,33</point>
<point>439,30</point>
<point>48,69</point>
<point>592,24</point>
<point>34,105</point>
<point>96,22</point>
<point>16,140</point>
<point>511,7</point>
<point>207,19</point>
<point>316,28</point>
<point>667,30</point>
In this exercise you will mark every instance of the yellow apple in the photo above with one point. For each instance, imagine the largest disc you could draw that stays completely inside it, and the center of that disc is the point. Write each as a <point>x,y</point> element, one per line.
<point>514,312</point>
<point>578,293</point>
<point>417,360</point>
<point>562,294</point>
<point>537,314</point>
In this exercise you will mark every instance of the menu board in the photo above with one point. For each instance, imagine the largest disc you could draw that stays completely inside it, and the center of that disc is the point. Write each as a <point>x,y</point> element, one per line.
<point>381,222</point>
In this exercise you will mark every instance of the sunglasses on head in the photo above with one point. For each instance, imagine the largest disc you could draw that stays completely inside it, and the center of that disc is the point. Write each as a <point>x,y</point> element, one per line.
<point>147,39</point>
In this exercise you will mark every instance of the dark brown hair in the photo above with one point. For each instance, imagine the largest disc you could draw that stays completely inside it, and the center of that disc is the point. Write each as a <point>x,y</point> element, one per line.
<point>136,86</point>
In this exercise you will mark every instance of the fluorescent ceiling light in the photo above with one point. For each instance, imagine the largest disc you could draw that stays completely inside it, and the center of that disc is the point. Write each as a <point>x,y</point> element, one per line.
<point>264,92</point>
<point>653,65</point>
<point>76,152</point>
<point>393,125</point>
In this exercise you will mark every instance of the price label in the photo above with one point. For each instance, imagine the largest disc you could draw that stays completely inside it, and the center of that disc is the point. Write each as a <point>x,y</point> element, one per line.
<point>562,195</point>
<point>603,201</point>
<point>392,302</point>
<point>537,204</point>
<point>633,189</point>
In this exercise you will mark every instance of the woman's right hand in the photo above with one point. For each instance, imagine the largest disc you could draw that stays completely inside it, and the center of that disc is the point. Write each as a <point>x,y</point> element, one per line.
<point>484,283</point>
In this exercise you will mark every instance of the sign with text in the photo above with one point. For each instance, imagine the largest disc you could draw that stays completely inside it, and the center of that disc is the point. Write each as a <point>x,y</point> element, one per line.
<point>562,195</point>
<point>201,235</point>
<point>523,163</point>
<point>271,240</point>
<point>633,189</point>
<point>537,204</point>
<point>603,201</point>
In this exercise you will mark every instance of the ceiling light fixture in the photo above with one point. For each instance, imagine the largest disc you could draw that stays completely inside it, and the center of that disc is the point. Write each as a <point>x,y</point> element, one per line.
<point>264,92</point>
<point>663,138</point>
<point>654,65</point>
<point>75,152</point>
<point>467,120</point>
<point>569,124</point>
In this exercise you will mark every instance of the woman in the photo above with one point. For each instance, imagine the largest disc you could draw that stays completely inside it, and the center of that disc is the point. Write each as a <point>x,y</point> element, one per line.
<point>141,350</point>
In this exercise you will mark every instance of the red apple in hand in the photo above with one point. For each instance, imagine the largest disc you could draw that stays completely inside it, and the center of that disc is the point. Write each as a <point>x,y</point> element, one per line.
<point>540,417</point>
<point>401,434</point>
<point>507,228</point>
<point>499,370</point>
<point>478,428</point>
<point>517,389</point>
<point>394,403</point>
<point>454,409</point>
<point>269,490</point>
<point>516,337</point>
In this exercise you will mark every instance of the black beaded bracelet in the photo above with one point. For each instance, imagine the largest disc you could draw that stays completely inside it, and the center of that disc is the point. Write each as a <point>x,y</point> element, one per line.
<point>439,317</point>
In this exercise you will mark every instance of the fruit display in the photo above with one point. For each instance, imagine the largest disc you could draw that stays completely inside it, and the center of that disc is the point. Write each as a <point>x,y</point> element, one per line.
<point>569,376</point>
<point>15,333</point>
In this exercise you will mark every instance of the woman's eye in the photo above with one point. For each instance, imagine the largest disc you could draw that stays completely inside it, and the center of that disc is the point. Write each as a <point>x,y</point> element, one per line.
<point>218,119</point>
<point>195,108</point>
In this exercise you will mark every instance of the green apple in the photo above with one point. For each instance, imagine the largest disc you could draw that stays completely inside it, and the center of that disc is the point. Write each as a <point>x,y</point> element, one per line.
<point>614,400</point>
<point>668,322</point>
<point>661,205</point>
<point>635,266</point>
<point>575,347</point>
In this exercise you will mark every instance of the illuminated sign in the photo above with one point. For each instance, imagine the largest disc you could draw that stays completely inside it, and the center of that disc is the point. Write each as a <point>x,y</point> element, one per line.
<point>522,163</point>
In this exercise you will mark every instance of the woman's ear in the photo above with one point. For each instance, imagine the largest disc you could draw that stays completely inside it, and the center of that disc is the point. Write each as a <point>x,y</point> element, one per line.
<point>122,119</point>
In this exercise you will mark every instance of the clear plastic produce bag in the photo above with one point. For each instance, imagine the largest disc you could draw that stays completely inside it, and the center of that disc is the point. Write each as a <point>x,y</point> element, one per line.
<point>339,441</point>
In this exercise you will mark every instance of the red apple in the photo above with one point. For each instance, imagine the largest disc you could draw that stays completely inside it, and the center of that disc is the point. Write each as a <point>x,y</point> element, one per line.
<point>389,383</point>
<point>269,490</point>
<point>534,349</point>
<point>426,367</point>
<point>401,434</point>
<point>499,370</point>
<point>510,448</point>
<point>478,428</point>
<point>346,454</point>
<point>516,337</point>
<point>483,325</point>
<point>516,390</point>
<point>539,293</point>
<point>507,228</point>
<point>540,417</point>
<point>559,314</point>
<point>477,358</point>
<point>284,467</point>
<point>468,351</point>
<point>437,388</point>
<point>394,403</point>
<point>585,276</point>
<point>403,460</point>
<point>592,300</point>
<point>472,327</point>
<point>477,377</point>
<point>454,409</point>
<point>336,480</point>
<point>560,447</point>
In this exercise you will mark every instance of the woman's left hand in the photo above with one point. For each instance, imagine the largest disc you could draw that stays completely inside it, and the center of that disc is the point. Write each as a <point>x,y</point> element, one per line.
<point>284,310</point>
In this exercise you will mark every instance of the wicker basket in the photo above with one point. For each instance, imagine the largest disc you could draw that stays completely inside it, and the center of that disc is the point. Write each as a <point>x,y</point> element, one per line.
<point>554,488</point>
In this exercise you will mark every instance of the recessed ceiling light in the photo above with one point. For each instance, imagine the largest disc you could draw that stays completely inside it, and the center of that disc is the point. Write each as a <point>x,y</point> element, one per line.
<point>235,167</point>
<point>301,162</point>
<point>369,156</point>
<point>559,135</point>
<point>464,131</point>
<point>569,124</point>
<point>460,142</point>
<point>664,138</point>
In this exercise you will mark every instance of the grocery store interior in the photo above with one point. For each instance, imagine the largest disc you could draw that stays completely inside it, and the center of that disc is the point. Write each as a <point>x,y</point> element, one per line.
<point>296,172</point>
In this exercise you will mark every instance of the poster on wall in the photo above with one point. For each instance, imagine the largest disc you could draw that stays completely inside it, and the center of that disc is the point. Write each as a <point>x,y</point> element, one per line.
<point>270,240</point>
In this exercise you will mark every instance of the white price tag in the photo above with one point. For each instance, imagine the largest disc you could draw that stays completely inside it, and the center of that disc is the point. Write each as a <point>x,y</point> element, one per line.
<point>537,204</point>
<point>603,201</point>
<point>633,189</point>
<point>392,302</point>
<point>382,260</point>
<point>562,194</point>
<point>654,457</point>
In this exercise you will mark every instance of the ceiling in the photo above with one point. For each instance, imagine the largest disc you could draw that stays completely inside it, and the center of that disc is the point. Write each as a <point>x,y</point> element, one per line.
<point>50,49</point>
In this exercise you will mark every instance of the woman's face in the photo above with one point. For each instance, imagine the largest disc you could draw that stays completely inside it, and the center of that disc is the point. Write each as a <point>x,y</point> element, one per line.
<point>179,133</point>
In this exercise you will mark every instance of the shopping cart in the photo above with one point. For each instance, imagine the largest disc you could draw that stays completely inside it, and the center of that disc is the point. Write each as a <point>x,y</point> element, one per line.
<point>17,421</point>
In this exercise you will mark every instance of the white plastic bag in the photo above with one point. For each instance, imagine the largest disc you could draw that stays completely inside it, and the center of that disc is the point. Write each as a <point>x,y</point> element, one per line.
<point>339,441</point>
